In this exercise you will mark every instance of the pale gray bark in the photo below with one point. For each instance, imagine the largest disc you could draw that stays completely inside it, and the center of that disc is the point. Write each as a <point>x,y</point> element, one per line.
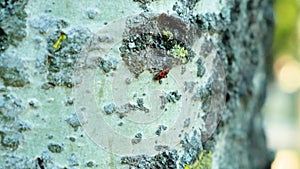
<point>80,84</point>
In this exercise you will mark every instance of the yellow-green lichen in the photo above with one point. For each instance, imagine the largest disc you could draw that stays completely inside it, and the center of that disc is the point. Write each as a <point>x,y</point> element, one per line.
<point>179,52</point>
<point>204,161</point>
<point>168,34</point>
<point>60,39</point>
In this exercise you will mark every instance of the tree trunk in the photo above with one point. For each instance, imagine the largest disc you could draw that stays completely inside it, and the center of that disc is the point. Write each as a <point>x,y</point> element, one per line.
<point>134,84</point>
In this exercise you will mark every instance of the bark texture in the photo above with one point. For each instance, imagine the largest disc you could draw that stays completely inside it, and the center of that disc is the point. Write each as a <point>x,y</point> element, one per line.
<point>134,84</point>
<point>247,42</point>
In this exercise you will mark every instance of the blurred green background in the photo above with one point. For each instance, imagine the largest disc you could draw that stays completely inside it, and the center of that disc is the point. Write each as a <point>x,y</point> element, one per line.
<point>282,107</point>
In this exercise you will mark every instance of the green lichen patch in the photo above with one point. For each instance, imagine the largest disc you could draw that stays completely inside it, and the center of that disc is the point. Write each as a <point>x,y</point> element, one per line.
<point>191,145</point>
<point>204,161</point>
<point>179,52</point>
<point>168,34</point>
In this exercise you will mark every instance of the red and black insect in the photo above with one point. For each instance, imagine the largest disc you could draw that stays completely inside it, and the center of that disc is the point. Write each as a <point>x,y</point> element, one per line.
<point>162,74</point>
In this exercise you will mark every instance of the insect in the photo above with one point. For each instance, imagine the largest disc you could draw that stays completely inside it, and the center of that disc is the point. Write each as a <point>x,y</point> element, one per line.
<point>162,74</point>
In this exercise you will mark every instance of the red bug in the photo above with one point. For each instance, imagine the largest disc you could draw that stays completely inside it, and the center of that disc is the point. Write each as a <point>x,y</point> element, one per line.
<point>162,74</point>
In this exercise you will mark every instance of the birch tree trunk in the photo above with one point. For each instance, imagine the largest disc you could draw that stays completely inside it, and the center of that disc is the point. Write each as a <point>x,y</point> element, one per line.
<point>134,84</point>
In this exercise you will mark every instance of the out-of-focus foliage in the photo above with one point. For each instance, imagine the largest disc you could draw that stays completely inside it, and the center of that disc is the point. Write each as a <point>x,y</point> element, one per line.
<point>285,39</point>
<point>282,105</point>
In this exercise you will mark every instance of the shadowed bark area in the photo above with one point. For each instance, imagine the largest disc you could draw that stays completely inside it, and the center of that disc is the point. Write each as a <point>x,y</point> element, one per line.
<point>241,142</point>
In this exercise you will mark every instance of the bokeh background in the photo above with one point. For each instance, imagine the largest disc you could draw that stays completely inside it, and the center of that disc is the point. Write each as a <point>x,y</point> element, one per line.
<point>282,107</point>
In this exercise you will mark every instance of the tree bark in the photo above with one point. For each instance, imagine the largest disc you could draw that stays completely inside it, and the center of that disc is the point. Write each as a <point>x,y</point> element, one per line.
<point>134,84</point>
